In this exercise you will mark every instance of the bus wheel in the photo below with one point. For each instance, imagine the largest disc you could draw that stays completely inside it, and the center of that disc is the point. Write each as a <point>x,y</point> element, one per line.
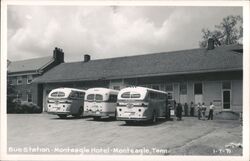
<point>129,122</point>
<point>62,116</point>
<point>115,115</point>
<point>96,118</point>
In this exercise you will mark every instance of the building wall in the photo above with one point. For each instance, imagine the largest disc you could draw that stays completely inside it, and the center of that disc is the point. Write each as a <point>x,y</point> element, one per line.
<point>237,95</point>
<point>211,87</point>
<point>23,89</point>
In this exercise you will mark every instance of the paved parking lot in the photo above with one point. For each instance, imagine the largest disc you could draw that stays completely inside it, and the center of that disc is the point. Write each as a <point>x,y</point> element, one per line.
<point>44,133</point>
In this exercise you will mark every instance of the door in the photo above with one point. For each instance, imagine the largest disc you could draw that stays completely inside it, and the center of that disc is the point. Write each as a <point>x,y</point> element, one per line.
<point>226,99</point>
<point>198,93</point>
<point>40,97</point>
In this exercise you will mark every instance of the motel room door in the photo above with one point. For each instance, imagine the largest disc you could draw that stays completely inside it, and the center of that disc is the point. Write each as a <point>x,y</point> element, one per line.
<point>226,95</point>
<point>198,96</point>
<point>226,99</point>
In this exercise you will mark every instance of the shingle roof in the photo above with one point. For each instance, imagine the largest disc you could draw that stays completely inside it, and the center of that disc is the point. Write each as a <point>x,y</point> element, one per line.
<point>224,58</point>
<point>29,64</point>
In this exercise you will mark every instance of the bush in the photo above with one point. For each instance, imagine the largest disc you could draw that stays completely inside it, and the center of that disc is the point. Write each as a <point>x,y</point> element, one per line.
<point>19,106</point>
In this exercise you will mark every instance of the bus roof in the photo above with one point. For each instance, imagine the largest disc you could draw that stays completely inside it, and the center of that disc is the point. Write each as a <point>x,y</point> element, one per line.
<point>101,90</point>
<point>66,89</point>
<point>142,89</point>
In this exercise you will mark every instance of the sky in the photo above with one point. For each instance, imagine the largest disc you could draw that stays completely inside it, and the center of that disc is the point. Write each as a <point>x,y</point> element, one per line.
<point>107,31</point>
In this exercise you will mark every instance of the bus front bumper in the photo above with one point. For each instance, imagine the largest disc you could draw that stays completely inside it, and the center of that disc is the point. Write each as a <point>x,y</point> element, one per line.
<point>98,113</point>
<point>132,118</point>
<point>59,112</point>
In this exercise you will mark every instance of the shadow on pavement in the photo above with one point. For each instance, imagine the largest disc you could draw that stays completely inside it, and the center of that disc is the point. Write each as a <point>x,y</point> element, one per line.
<point>145,123</point>
<point>70,118</point>
<point>109,119</point>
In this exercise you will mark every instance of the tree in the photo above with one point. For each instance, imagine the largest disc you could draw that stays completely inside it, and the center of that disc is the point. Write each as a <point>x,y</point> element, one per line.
<point>226,33</point>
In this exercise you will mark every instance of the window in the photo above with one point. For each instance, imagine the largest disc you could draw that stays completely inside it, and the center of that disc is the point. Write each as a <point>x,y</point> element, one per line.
<point>198,88</point>
<point>112,98</point>
<point>81,95</point>
<point>29,97</point>
<point>54,94</point>
<point>135,95</point>
<point>170,95</point>
<point>183,88</point>
<point>116,87</point>
<point>19,96</point>
<point>90,97</point>
<point>61,94</point>
<point>226,85</point>
<point>169,87</point>
<point>126,95</point>
<point>98,97</point>
<point>19,80</point>
<point>29,79</point>
<point>10,81</point>
<point>169,90</point>
<point>74,94</point>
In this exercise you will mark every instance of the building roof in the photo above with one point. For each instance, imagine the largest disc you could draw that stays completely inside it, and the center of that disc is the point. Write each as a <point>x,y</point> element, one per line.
<point>223,58</point>
<point>29,65</point>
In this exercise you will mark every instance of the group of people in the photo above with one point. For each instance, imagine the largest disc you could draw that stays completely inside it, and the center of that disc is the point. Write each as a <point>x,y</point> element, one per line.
<point>201,110</point>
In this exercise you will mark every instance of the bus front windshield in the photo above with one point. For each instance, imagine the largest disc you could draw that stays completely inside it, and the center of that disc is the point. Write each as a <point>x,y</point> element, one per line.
<point>57,94</point>
<point>94,97</point>
<point>131,95</point>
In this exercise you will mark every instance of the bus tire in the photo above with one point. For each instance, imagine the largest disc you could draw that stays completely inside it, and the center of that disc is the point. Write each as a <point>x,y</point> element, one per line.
<point>96,118</point>
<point>128,122</point>
<point>115,115</point>
<point>62,116</point>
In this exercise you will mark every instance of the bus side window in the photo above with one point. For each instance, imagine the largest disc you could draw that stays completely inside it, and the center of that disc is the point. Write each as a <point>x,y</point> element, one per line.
<point>152,95</point>
<point>74,95</point>
<point>81,95</point>
<point>112,98</point>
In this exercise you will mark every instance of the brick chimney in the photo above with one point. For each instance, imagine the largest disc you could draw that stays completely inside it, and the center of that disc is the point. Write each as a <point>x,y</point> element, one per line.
<point>210,44</point>
<point>86,58</point>
<point>58,55</point>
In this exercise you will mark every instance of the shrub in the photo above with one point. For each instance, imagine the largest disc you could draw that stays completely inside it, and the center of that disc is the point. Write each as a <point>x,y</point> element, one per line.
<point>19,106</point>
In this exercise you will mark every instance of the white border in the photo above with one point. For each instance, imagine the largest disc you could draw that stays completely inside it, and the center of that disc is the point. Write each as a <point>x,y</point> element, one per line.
<point>246,76</point>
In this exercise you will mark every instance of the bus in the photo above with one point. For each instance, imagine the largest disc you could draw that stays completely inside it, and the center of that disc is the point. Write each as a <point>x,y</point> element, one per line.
<point>142,104</point>
<point>66,101</point>
<point>100,102</point>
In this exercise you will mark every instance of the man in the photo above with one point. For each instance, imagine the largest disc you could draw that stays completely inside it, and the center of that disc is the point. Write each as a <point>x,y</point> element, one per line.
<point>191,108</point>
<point>211,111</point>
<point>179,111</point>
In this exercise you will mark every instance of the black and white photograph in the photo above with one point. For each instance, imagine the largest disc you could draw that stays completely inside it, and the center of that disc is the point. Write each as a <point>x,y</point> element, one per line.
<point>124,80</point>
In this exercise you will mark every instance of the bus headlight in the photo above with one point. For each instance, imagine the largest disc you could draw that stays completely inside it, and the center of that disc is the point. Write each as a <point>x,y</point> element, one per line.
<point>139,110</point>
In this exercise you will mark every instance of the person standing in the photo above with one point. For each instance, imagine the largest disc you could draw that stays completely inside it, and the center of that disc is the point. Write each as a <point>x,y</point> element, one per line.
<point>211,111</point>
<point>179,111</point>
<point>203,111</point>
<point>191,108</point>
<point>186,109</point>
<point>199,110</point>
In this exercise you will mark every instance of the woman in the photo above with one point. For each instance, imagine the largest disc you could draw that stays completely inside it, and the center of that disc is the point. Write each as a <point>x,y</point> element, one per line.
<point>199,110</point>
<point>203,111</point>
<point>186,109</point>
